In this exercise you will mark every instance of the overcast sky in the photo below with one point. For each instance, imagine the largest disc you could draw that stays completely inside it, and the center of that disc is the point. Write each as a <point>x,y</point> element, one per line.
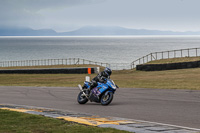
<point>66,15</point>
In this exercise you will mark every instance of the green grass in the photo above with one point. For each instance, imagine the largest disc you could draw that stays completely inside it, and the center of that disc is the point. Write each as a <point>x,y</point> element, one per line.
<point>42,79</point>
<point>174,60</point>
<point>27,123</point>
<point>171,79</point>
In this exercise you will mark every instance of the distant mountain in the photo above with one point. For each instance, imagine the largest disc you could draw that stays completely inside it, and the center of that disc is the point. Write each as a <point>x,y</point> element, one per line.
<point>23,31</point>
<point>88,31</point>
<point>104,31</point>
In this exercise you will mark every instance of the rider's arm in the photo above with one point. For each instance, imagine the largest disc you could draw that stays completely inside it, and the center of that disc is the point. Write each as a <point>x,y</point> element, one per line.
<point>102,77</point>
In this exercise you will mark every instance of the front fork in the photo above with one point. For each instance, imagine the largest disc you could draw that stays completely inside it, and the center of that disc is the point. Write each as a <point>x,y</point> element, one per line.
<point>80,87</point>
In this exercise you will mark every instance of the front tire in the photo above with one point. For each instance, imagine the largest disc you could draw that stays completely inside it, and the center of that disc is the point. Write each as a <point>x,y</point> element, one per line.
<point>81,98</point>
<point>106,98</point>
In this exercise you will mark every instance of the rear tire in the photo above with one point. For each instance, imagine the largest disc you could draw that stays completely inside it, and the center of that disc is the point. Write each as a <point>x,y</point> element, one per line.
<point>106,98</point>
<point>81,98</point>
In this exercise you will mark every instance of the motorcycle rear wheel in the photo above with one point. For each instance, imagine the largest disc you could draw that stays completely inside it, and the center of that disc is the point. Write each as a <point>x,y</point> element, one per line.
<point>106,98</point>
<point>81,98</point>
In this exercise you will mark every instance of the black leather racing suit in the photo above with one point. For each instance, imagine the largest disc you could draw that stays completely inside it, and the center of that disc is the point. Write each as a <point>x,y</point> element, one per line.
<point>99,78</point>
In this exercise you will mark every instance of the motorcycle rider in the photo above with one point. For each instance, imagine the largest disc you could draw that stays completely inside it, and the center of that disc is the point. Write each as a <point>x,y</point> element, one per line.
<point>100,77</point>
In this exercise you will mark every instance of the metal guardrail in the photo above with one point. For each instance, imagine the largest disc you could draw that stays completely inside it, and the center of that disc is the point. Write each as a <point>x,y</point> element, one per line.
<point>69,61</point>
<point>190,52</point>
<point>50,62</point>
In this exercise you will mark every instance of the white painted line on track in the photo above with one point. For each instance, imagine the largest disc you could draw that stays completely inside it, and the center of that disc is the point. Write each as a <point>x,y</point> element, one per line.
<point>189,128</point>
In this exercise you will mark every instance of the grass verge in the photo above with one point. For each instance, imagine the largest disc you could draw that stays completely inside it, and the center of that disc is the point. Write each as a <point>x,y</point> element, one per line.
<point>170,79</point>
<point>27,123</point>
<point>175,60</point>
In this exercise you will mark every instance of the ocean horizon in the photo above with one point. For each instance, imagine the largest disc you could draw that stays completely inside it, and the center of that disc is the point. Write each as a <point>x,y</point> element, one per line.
<point>113,36</point>
<point>109,49</point>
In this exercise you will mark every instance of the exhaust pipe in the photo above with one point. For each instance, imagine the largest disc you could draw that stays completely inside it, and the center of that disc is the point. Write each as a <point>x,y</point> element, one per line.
<point>80,87</point>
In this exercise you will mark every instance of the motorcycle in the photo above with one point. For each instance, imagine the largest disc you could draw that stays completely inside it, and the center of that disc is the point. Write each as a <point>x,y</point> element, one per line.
<point>102,93</point>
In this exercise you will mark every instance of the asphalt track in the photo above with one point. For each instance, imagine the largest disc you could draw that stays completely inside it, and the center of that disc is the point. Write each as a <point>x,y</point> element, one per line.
<point>176,107</point>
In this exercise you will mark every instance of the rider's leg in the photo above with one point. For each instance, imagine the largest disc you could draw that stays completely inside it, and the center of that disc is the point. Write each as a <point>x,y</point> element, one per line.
<point>93,84</point>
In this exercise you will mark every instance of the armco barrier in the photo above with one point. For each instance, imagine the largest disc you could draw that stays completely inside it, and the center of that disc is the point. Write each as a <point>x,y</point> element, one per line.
<point>168,66</point>
<point>52,71</point>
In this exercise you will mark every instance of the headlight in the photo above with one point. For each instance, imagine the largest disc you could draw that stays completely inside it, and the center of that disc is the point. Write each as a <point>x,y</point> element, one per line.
<point>113,86</point>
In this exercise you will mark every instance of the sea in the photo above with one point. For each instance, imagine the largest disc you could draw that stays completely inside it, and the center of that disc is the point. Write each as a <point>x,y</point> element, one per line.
<point>108,49</point>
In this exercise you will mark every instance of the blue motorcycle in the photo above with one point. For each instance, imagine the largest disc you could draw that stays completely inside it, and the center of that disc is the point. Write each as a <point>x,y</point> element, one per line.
<point>102,93</point>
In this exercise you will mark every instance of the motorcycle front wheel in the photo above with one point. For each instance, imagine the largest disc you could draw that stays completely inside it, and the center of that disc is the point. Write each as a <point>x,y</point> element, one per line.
<point>106,98</point>
<point>81,98</point>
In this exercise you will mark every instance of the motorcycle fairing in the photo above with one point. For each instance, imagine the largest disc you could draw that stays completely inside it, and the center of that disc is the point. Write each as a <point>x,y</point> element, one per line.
<point>87,84</point>
<point>102,87</point>
<point>97,91</point>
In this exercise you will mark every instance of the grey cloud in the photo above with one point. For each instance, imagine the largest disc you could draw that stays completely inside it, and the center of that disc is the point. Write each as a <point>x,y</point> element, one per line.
<point>35,5</point>
<point>27,12</point>
<point>149,14</point>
